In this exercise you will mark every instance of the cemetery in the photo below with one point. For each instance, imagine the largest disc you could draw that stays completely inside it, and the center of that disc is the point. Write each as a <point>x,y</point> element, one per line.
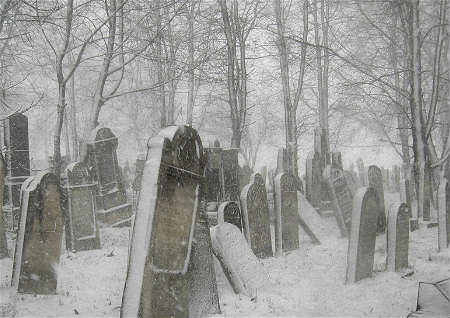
<point>251,158</point>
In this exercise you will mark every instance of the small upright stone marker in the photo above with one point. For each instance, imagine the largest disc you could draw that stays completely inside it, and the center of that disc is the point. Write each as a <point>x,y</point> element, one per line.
<point>256,216</point>
<point>286,213</point>
<point>38,244</point>
<point>398,237</point>
<point>229,212</point>
<point>376,181</point>
<point>444,214</point>
<point>361,246</point>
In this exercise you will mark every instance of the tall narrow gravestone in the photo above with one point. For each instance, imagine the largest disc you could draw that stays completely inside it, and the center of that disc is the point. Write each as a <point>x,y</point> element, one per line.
<point>444,214</point>
<point>111,200</point>
<point>286,213</point>
<point>342,198</point>
<point>255,210</point>
<point>158,282</point>
<point>3,241</point>
<point>17,158</point>
<point>38,244</point>
<point>229,212</point>
<point>397,237</point>
<point>313,179</point>
<point>213,174</point>
<point>351,182</point>
<point>361,246</point>
<point>79,205</point>
<point>230,174</point>
<point>376,181</point>
<point>361,172</point>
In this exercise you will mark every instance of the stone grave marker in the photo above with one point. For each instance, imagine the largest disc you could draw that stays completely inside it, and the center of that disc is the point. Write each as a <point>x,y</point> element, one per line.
<point>342,198</point>
<point>111,200</point>
<point>230,212</point>
<point>244,176</point>
<point>361,172</point>
<point>361,246</point>
<point>313,179</point>
<point>17,159</point>
<point>396,178</point>
<point>38,244</point>
<point>375,179</point>
<point>351,181</point>
<point>243,270</point>
<point>3,240</point>
<point>336,160</point>
<point>444,214</point>
<point>397,237</point>
<point>286,213</point>
<point>230,168</point>
<point>256,217</point>
<point>213,173</point>
<point>140,163</point>
<point>163,232</point>
<point>79,206</point>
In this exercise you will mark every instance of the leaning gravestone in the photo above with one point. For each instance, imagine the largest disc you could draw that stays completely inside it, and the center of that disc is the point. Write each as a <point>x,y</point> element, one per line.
<point>444,214</point>
<point>17,158</point>
<point>230,168</point>
<point>241,267</point>
<point>255,210</point>
<point>79,206</point>
<point>361,246</point>
<point>3,241</point>
<point>342,198</point>
<point>397,237</point>
<point>38,244</point>
<point>111,200</point>
<point>286,213</point>
<point>158,282</point>
<point>375,179</point>
<point>313,179</point>
<point>230,212</point>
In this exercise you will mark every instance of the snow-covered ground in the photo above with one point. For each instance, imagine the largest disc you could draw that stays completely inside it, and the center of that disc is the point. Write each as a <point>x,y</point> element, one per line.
<point>305,282</point>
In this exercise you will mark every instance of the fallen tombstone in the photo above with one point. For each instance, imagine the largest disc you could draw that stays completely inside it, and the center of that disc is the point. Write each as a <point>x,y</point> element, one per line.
<point>432,300</point>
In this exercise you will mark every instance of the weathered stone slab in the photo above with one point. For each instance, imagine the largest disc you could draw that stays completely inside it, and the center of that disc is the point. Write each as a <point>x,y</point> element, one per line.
<point>213,173</point>
<point>375,179</point>
<point>244,176</point>
<point>38,244</point>
<point>282,161</point>
<point>79,205</point>
<point>111,200</point>
<point>230,212</point>
<point>230,168</point>
<point>140,163</point>
<point>361,172</point>
<point>256,217</point>
<point>240,265</point>
<point>405,194</point>
<point>396,178</point>
<point>164,225</point>
<point>342,198</point>
<point>3,241</point>
<point>286,213</point>
<point>444,214</point>
<point>313,179</point>
<point>361,246</point>
<point>397,237</point>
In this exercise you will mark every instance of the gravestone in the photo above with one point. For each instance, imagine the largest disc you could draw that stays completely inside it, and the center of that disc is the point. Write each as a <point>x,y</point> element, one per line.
<point>229,212</point>
<point>213,173</point>
<point>397,237</point>
<point>17,159</point>
<point>361,172</point>
<point>396,178</point>
<point>444,214</point>
<point>111,200</point>
<point>336,160</point>
<point>361,246</point>
<point>286,213</point>
<point>313,179</point>
<point>3,241</point>
<point>244,176</point>
<point>38,244</point>
<point>230,168</point>
<point>375,179</point>
<point>158,283</point>
<point>385,176</point>
<point>241,267</point>
<point>140,163</point>
<point>79,209</point>
<point>342,198</point>
<point>255,211</point>
<point>351,181</point>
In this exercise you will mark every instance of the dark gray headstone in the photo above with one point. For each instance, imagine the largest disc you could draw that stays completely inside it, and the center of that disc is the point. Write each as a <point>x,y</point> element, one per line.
<point>375,179</point>
<point>397,237</point>
<point>3,241</point>
<point>361,172</point>
<point>361,246</point>
<point>229,212</point>
<point>213,174</point>
<point>342,198</point>
<point>351,181</point>
<point>158,283</point>
<point>313,179</point>
<point>38,244</point>
<point>244,176</point>
<point>255,211</point>
<point>140,163</point>
<point>405,194</point>
<point>444,214</point>
<point>230,168</point>
<point>111,200</point>
<point>79,206</point>
<point>17,158</point>
<point>286,213</point>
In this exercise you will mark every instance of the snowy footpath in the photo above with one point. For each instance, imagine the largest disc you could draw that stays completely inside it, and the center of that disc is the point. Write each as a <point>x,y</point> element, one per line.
<point>306,282</point>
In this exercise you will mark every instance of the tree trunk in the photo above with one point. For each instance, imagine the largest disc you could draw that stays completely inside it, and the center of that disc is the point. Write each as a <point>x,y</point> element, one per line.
<point>190,103</point>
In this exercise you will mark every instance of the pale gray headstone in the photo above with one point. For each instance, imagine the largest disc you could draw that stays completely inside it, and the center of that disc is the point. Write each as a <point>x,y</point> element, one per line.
<point>397,237</point>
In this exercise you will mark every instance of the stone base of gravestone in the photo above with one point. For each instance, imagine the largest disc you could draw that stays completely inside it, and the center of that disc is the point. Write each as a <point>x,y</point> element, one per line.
<point>113,209</point>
